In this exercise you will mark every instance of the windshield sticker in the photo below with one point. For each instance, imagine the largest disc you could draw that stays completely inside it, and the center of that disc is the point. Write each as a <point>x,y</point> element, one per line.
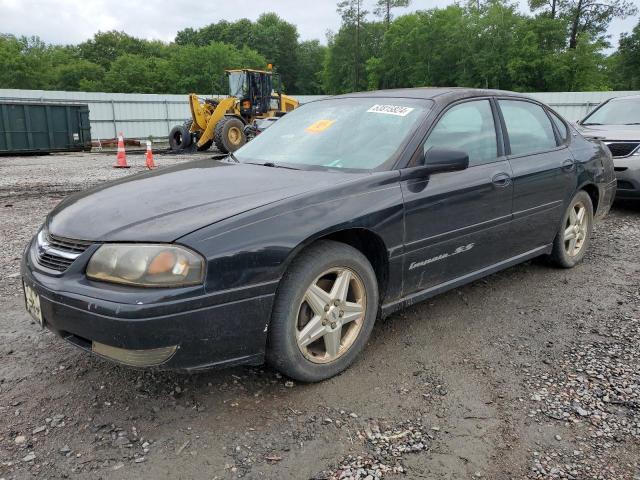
<point>319,126</point>
<point>396,110</point>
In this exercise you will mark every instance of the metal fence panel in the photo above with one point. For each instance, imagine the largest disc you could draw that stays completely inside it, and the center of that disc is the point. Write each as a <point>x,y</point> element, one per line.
<point>151,115</point>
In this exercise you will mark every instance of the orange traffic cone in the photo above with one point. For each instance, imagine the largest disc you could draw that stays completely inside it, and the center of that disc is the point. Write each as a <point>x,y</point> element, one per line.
<point>121,158</point>
<point>150,164</point>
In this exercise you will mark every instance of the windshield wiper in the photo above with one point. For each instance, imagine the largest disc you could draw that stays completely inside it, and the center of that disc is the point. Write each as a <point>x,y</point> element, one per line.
<point>272,164</point>
<point>591,123</point>
<point>233,157</point>
<point>633,123</point>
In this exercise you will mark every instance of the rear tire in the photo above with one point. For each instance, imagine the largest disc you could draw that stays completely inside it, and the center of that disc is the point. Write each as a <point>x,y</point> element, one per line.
<point>179,138</point>
<point>323,313</point>
<point>574,235</point>
<point>229,134</point>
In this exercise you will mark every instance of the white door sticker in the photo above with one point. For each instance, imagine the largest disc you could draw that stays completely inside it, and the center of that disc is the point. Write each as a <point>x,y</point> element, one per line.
<point>396,110</point>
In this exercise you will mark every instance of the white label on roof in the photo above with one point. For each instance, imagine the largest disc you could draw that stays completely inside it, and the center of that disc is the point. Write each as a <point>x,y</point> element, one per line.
<point>396,110</point>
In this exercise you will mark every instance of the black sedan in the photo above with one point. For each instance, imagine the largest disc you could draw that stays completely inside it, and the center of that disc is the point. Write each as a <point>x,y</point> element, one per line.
<point>344,211</point>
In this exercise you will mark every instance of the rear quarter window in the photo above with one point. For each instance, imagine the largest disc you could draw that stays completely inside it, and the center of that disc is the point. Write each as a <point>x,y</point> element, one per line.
<point>563,131</point>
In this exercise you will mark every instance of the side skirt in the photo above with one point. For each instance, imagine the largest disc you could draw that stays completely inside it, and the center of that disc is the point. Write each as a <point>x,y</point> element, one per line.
<point>417,297</point>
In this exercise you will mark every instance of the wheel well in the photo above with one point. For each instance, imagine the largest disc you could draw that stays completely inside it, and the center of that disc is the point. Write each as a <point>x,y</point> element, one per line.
<point>372,247</point>
<point>592,190</point>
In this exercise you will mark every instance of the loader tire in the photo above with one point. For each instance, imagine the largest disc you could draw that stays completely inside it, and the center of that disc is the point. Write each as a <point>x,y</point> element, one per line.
<point>229,134</point>
<point>179,138</point>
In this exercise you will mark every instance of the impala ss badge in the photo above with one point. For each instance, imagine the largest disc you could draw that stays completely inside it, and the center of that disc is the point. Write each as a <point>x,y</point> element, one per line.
<point>460,249</point>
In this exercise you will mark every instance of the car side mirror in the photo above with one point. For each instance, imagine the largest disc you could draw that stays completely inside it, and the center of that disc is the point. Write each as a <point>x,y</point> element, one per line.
<point>437,160</point>
<point>445,160</point>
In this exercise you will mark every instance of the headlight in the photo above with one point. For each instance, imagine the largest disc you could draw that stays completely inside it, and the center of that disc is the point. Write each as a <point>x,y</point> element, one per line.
<point>146,265</point>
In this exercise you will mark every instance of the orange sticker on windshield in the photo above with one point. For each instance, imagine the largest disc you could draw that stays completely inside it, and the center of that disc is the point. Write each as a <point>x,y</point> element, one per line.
<point>319,126</point>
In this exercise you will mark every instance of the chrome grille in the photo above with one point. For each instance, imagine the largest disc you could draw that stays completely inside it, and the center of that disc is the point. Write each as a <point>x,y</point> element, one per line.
<point>622,149</point>
<point>58,253</point>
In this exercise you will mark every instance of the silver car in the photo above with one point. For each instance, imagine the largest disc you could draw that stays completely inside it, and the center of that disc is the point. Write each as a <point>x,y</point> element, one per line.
<point>617,123</point>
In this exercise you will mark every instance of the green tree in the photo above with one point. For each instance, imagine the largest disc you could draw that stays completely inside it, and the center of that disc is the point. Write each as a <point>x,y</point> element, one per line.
<point>588,19</point>
<point>549,7</point>
<point>131,73</point>
<point>105,47</point>
<point>311,59</point>
<point>383,8</point>
<point>495,29</point>
<point>201,69</point>
<point>624,64</point>
<point>27,62</point>
<point>270,35</point>
<point>277,40</point>
<point>79,74</point>
<point>537,61</point>
<point>340,62</point>
<point>353,17</point>
<point>427,48</point>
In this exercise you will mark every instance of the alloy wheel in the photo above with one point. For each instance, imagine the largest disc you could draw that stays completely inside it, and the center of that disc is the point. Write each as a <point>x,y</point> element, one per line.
<point>576,229</point>
<point>331,315</point>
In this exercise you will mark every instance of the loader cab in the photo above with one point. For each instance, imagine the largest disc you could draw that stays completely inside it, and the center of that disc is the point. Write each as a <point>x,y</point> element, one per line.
<point>254,90</point>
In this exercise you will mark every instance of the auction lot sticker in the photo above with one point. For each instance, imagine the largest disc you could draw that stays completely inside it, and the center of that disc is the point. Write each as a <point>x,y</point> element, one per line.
<point>396,110</point>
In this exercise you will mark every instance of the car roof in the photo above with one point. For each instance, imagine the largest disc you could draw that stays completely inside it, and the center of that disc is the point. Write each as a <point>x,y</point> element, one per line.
<point>433,93</point>
<point>626,97</point>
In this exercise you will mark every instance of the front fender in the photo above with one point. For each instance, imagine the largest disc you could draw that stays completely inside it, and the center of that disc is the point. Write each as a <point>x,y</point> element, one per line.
<point>256,247</point>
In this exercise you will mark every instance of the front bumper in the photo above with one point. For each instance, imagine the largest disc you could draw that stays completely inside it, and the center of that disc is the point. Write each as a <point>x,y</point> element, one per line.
<point>209,330</point>
<point>628,177</point>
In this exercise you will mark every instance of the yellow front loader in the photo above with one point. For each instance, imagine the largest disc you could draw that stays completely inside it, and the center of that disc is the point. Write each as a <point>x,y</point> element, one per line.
<point>251,96</point>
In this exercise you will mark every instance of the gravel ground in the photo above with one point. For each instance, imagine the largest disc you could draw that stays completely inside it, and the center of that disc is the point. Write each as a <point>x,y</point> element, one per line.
<point>532,373</point>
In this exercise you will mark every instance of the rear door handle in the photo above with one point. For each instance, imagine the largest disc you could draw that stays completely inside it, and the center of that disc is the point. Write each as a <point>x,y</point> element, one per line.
<point>501,179</point>
<point>568,165</point>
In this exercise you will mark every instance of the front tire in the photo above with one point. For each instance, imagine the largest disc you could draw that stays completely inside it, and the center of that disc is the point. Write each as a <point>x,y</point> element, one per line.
<point>229,134</point>
<point>324,312</point>
<point>574,235</point>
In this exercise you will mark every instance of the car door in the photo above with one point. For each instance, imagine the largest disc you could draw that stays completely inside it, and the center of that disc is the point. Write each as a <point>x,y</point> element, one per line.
<point>456,222</point>
<point>544,173</point>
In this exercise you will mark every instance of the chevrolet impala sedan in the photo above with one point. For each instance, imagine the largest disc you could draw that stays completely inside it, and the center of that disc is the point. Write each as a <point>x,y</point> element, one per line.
<point>343,212</point>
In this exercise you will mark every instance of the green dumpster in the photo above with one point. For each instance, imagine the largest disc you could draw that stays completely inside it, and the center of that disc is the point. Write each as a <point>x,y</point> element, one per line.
<point>37,127</point>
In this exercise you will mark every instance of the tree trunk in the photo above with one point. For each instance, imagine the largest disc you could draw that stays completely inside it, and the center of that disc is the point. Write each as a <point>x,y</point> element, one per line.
<point>573,39</point>
<point>553,9</point>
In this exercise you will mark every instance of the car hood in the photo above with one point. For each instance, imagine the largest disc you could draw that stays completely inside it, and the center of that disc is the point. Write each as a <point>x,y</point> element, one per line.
<point>166,204</point>
<point>611,132</point>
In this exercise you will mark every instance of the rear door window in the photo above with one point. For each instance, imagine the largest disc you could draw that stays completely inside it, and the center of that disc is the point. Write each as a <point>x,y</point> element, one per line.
<point>528,127</point>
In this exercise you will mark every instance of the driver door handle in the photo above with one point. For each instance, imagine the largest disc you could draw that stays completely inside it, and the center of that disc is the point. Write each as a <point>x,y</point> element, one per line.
<point>501,179</point>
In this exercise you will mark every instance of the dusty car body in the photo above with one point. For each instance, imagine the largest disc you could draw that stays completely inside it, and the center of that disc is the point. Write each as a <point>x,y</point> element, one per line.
<point>617,123</point>
<point>424,219</point>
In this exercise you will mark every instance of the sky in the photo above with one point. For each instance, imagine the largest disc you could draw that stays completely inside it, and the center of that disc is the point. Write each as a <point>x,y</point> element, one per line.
<point>73,21</point>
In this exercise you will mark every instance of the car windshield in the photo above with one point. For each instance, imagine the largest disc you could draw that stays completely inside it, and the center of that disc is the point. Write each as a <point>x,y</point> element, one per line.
<point>616,112</point>
<point>345,133</point>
